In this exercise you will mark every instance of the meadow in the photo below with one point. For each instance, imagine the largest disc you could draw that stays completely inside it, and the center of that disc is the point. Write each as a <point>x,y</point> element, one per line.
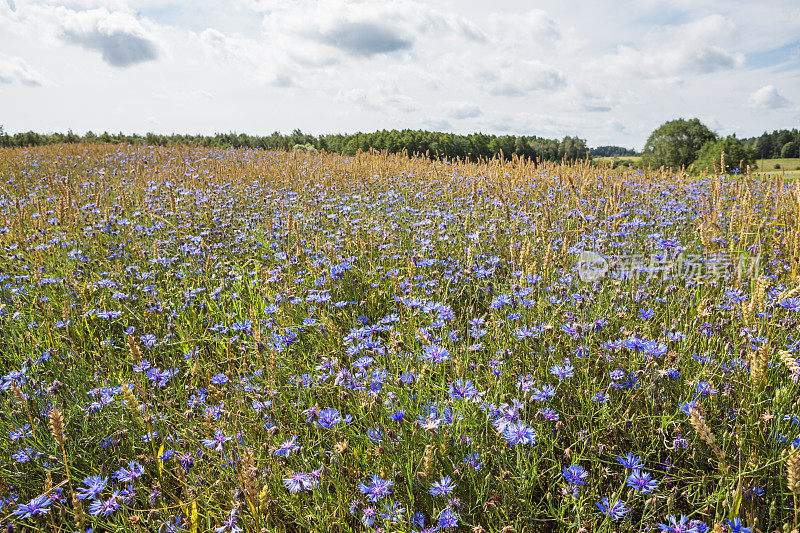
<point>250,340</point>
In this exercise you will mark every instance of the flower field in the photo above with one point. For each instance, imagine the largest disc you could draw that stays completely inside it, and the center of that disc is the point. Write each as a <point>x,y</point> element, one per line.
<point>243,340</point>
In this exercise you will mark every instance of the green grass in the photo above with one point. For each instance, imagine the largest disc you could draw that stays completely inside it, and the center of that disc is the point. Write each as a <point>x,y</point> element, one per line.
<point>198,313</point>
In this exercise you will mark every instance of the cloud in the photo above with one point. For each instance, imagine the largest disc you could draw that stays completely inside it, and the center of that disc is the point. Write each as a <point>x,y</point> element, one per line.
<point>254,58</point>
<point>462,110</point>
<point>535,27</point>
<point>17,70</point>
<point>350,29</point>
<point>119,37</point>
<point>382,97</point>
<point>671,52</point>
<point>364,38</point>
<point>768,97</point>
<point>522,78</point>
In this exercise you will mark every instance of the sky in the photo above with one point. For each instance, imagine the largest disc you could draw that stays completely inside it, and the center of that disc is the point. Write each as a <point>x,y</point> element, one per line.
<point>609,71</point>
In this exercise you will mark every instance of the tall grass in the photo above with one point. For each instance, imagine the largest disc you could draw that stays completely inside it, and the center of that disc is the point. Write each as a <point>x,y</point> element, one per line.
<point>201,339</point>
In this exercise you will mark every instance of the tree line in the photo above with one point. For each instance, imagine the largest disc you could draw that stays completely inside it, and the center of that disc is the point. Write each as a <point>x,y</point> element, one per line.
<point>779,143</point>
<point>434,144</point>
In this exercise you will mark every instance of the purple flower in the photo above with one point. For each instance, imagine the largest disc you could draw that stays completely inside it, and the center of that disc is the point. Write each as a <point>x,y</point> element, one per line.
<point>519,433</point>
<point>615,511</point>
<point>37,506</point>
<point>217,440</point>
<point>376,488</point>
<point>129,474</point>
<point>443,487</point>
<point>642,481</point>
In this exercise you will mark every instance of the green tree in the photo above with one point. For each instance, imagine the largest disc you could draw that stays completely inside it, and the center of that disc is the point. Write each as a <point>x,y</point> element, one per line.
<point>676,143</point>
<point>737,155</point>
<point>790,149</point>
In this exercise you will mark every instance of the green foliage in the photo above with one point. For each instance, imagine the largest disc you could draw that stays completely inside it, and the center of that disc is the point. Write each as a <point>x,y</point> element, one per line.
<point>611,151</point>
<point>770,145</point>
<point>676,143</point>
<point>432,144</point>
<point>791,149</point>
<point>737,155</point>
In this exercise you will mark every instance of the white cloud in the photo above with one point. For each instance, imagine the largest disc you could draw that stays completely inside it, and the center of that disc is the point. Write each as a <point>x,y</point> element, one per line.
<point>119,37</point>
<point>462,110</point>
<point>534,27</point>
<point>522,78</point>
<point>768,97</point>
<point>383,98</point>
<point>17,70</point>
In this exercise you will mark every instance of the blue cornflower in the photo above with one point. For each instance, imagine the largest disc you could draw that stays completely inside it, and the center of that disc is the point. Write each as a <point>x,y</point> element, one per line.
<point>217,440</point>
<point>678,525</point>
<point>229,524</point>
<point>329,417</point>
<point>519,433</point>
<point>436,353</point>
<point>463,390</point>
<point>575,474</point>
<point>472,460</point>
<point>129,474</point>
<point>736,526</point>
<point>443,487</point>
<point>368,514</point>
<point>299,481</point>
<point>448,519</point>
<point>37,506</point>
<point>287,447</point>
<point>376,488</point>
<point>105,507</point>
<point>149,340</point>
<point>642,481</point>
<point>94,486</point>
<point>563,371</point>
<point>219,379</point>
<point>630,461</point>
<point>393,512</point>
<point>615,511</point>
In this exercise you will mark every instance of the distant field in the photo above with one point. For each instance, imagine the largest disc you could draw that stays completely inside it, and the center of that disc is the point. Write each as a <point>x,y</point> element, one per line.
<point>631,158</point>
<point>791,166</point>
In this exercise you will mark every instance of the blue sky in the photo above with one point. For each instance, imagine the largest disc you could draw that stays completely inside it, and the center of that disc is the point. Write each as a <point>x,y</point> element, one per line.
<point>608,71</point>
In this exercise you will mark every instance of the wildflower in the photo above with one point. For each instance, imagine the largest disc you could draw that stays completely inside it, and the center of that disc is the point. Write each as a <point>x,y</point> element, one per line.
<point>298,481</point>
<point>217,440</point>
<point>368,514</point>
<point>219,379</point>
<point>329,418</point>
<point>630,461</point>
<point>519,433</point>
<point>149,340</point>
<point>472,460</point>
<point>105,507</point>
<point>642,481</point>
<point>376,488</point>
<point>229,524</point>
<point>129,474</point>
<point>94,486</point>
<point>678,525</point>
<point>37,506</point>
<point>443,487</point>
<point>575,474</point>
<point>736,526</point>
<point>615,511</point>
<point>563,371</point>
<point>448,519</point>
<point>393,512</point>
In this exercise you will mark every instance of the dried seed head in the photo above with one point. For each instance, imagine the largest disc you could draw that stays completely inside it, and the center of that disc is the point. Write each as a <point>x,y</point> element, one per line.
<point>57,425</point>
<point>793,471</point>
